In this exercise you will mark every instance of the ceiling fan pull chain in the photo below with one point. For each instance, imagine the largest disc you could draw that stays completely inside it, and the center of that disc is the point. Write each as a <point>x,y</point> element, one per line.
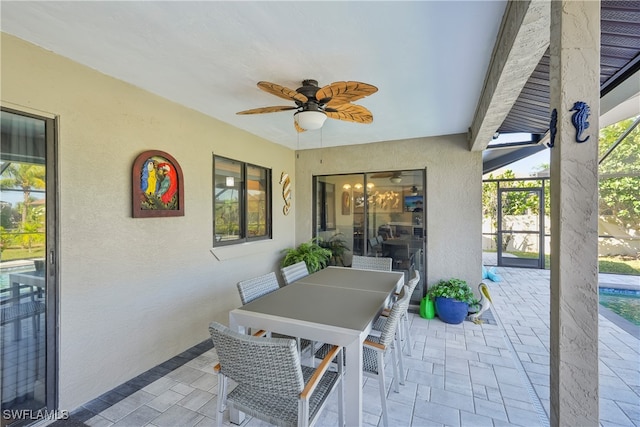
<point>320,145</point>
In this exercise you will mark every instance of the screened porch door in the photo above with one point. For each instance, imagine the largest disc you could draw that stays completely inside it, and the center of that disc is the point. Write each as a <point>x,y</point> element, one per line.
<point>521,227</point>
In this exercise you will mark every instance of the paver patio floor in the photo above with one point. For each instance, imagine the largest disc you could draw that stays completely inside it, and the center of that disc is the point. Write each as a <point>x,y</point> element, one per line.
<point>493,374</point>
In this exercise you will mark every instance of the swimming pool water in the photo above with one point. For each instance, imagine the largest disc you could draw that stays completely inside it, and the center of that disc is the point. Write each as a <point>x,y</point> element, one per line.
<point>4,275</point>
<point>624,302</point>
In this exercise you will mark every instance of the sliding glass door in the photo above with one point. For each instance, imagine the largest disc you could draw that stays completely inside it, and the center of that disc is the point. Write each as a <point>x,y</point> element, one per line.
<point>375,214</point>
<point>27,275</point>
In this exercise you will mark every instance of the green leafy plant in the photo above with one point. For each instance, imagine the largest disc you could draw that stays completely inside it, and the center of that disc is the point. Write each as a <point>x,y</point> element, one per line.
<point>315,256</point>
<point>453,288</point>
<point>338,246</point>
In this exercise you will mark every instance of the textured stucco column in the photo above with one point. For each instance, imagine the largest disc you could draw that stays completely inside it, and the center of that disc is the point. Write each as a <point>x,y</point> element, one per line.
<point>575,70</point>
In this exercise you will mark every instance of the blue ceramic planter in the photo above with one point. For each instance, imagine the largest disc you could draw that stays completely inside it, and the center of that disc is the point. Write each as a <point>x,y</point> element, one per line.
<point>451,310</point>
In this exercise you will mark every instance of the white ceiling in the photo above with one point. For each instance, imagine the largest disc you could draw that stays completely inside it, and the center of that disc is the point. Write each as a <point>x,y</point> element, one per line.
<point>427,58</point>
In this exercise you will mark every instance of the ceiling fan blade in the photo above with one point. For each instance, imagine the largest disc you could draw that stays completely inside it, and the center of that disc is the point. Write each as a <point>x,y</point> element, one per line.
<point>282,92</point>
<point>382,175</point>
<point>274,109</point>
<point>350,113</point>
<point>298,128</point>
<point>343,92</point>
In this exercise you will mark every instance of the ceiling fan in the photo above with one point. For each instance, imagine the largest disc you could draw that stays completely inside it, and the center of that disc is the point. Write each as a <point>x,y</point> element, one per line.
<point>314,104</point>
<point>395,177</point>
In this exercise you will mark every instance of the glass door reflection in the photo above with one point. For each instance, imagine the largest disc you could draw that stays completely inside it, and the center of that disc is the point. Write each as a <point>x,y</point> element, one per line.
<point>376,214</point>
<point>26,368</point>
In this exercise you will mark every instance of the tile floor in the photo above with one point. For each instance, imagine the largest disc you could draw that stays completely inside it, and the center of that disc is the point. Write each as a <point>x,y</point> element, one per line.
<point>494,374</point>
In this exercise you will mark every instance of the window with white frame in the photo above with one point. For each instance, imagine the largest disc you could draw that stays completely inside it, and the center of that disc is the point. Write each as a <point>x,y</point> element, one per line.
<point>241,202</point>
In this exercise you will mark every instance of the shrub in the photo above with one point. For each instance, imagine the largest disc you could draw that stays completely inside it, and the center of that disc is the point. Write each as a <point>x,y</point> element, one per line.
<point>315,256</point>
<point>453,288</point>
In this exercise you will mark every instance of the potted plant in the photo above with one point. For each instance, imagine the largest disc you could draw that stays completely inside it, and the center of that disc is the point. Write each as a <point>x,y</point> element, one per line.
<point>315,256</point>
<point>452,300</point>
<point>338,246</point>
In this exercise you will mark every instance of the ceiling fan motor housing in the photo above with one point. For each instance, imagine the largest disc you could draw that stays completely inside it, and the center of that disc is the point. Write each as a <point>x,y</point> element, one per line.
<point>309,88</point>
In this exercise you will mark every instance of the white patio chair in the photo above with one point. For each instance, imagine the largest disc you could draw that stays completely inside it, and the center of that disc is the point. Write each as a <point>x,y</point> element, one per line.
<point>404,335</point>
<point>272,385</point>
<point>294,272</point>
<point>371,263</point>
<point>374,349</point>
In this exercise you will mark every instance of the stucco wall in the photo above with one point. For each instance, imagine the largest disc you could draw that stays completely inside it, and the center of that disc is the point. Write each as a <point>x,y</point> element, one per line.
<point>454,196</point>
<point>134,292</point>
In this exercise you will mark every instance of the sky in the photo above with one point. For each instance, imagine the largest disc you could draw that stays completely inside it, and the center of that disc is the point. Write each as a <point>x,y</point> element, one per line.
<point>14,197</point>
<point>524,167</point>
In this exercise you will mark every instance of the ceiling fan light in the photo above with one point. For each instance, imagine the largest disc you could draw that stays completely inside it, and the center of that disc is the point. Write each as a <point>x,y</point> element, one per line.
<point>395,179</point>
<point>310,120</point>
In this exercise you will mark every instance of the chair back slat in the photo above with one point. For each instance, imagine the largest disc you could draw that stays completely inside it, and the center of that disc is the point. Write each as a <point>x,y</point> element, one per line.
<point>371,263</point>
<point>413,282</point>
<point>256,287</point>
<point>268,365</point>
<point>399,307</point>
<point>294,272</point>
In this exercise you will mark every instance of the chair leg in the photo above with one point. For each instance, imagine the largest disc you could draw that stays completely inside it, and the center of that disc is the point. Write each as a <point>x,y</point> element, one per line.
<point>396,375</point>
<point>36,322</point>
<point>400,331</point>
<point>383,391</point>
<point>303,413</point>
<point>400,364</point>
<point>341,388</point>
<point>222,397</point>
<point>312,348</point>
<point>312,352</point>
<point>407,334</point>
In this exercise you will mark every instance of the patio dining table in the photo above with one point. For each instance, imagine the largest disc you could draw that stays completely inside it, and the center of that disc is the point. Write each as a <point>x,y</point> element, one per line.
<point>337,306</point>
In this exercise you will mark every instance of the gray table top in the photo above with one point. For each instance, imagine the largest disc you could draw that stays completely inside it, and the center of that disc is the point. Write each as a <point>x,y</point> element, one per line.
<point>31,278</point>
<point>350,278</point>
<point>31,273</point>
<point>340,307</point>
